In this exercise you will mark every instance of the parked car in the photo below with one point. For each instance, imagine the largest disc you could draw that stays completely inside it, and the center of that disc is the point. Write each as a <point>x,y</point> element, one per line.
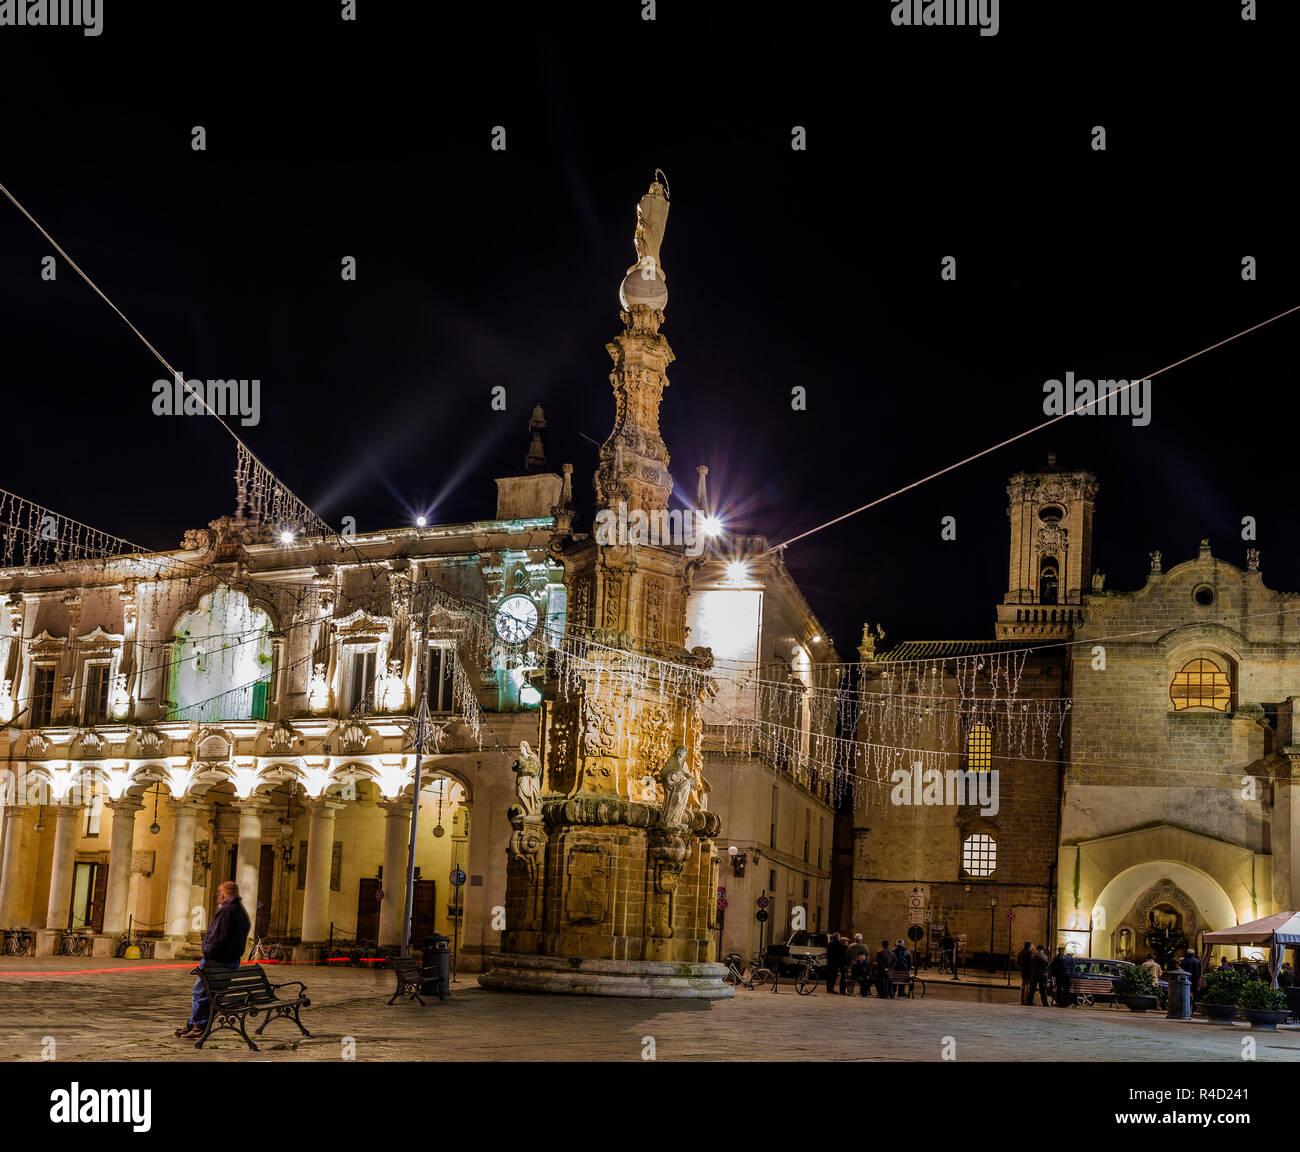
<point>790,957</point>
<point>1092,976</point>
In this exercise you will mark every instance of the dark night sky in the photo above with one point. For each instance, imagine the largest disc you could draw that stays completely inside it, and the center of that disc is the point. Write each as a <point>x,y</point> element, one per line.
<point>820,268</point>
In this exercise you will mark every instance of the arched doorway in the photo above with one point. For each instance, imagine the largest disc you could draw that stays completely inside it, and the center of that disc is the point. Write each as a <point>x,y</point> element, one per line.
<point>1158,906</point>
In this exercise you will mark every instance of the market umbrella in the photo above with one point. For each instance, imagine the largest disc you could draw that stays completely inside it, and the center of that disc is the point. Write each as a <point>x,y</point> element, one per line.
<point>1277,932</point>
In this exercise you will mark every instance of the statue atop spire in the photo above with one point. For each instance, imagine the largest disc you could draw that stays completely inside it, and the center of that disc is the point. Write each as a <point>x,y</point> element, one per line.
<point>645,280</point>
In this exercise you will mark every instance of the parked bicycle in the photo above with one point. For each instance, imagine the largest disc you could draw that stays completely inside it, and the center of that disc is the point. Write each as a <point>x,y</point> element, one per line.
<point>755,977</point>
<point>75,943</point>
<point>266,949</point>
<point>19,942</point>
<point>808,979</point>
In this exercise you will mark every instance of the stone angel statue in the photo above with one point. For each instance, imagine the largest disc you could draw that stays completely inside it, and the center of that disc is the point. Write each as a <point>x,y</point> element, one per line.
<point>676,780</point>
<point>651,221</point>
<point>528,780</point>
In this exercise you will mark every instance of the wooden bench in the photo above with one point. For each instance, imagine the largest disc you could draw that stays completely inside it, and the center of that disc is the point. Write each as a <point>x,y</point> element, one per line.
<point>236,996</point>
<point>412,977</point>
<point>1085,989</point>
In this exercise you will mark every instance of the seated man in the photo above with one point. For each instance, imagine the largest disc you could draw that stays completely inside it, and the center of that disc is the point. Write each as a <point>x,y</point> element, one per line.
<point>223,945</point>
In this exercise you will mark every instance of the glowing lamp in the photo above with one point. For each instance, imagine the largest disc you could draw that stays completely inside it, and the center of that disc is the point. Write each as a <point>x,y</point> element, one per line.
<point>286,537</point>
<point>737,571</point>
<point>421,521</point>
<point>711,525</point>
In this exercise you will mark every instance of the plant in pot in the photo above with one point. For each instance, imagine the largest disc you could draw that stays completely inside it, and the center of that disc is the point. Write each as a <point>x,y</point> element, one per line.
<point>1264,1005</point>
<point>1137,988</point>
<point>1223,988</point>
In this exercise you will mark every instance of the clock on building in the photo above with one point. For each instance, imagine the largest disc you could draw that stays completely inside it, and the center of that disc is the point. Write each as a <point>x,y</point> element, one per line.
<point>516,619</point>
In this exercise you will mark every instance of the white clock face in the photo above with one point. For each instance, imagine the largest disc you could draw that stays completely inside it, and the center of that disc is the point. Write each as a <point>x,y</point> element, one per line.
<point>516,619</point>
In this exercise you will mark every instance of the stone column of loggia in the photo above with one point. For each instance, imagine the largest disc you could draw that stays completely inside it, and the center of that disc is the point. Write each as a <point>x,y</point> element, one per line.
<point>320,855</point>
<point>180,877</point>
<point>59,909</point>
<point>248,857</point>
<point>119,863</point>
<point>397,834</point>
<point>11,914</point>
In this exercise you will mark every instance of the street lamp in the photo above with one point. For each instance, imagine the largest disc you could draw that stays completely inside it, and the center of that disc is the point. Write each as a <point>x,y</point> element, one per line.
<point>993,904</point>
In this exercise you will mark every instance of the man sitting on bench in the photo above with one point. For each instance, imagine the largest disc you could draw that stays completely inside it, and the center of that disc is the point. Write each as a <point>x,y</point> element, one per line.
<point>223,945</point>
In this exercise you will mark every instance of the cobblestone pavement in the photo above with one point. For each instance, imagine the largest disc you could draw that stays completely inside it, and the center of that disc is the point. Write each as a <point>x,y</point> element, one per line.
<point>116,1010</point>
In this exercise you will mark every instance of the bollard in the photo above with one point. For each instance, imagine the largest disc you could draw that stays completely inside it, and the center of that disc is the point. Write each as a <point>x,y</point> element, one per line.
<point>1180,995</point>
<point>436,966</point>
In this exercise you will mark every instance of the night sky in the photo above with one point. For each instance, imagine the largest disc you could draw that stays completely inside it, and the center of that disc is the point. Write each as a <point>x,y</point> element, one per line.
<point>818,268</point>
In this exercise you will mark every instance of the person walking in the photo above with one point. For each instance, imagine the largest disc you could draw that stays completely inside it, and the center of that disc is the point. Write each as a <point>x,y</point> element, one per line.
<point>884,966</point>
<point>836,958</point>
<point>1038,976</point>
<point>223,945</point>
<point>946,958</point>
<point>1025,962</point>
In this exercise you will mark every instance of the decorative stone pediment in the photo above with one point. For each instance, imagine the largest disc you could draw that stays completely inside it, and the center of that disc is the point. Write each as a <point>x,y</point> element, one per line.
<point>47,645</point>
<point>362,626</point>
<point>37,745</point>
<point>99,642</point>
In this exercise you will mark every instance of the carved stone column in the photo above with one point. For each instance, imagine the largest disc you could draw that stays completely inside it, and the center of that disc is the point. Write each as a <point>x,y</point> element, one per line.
<point>397,833</point>
<point>320,856</point>
<point>119,863</point>
<point>12,914</point>
<point>248,859</point>
<point>180,877</point>
<point>59,908</point>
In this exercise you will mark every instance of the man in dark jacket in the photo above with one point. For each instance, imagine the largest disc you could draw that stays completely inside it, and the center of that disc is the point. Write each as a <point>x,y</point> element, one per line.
<point>1025,962</point>
<point>223,945</point>
<point>1038,975</point>
<point>884,966</point>
<point>837,957</point>
<point>1061,969</point>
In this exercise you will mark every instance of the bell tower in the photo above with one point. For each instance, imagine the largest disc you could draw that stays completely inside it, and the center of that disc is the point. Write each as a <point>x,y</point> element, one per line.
<point>1051,552</point>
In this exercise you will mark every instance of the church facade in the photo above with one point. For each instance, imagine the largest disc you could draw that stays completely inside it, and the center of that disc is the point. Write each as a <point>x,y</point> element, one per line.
<point>1138,746</point>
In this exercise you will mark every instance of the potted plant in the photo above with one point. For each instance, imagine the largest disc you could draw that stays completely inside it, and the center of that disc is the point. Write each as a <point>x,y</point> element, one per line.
<point>1137,988</point>
<point>1223,987</point>
<point>1264,1005</point>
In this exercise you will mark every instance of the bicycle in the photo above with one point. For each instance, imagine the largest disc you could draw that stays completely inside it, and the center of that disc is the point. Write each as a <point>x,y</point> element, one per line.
<point>755,979</point>
<point>75,943</point>
<point>18,942</point>
<point>266,949</point>
<point>807,980</point>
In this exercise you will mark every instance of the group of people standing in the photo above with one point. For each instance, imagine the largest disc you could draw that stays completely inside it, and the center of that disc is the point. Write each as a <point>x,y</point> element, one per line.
<point>851,962</point>
<point>1038,970</point>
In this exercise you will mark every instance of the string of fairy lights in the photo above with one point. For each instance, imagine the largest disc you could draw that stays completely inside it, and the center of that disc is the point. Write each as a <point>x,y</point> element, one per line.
<point>791,721</point>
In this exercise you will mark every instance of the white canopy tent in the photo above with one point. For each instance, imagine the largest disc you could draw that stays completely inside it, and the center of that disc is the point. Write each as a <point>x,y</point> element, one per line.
<point>1277,933</point>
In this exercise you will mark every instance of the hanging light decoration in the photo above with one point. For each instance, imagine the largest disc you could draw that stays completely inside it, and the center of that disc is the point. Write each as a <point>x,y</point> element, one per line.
<point>154,829</point>
<point>40,824</point>
<point>438,829</point>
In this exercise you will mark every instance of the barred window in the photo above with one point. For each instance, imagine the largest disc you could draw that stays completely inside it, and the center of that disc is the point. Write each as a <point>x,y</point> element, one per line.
<point>1201,684</point>
<point>979,854</point>
<point>979,748</point>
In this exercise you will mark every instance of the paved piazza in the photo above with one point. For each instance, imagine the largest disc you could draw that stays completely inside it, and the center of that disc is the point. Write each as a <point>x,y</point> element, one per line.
<point>129,1014</point>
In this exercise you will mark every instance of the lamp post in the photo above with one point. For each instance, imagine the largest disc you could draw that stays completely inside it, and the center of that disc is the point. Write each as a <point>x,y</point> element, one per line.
<point>993,906</point>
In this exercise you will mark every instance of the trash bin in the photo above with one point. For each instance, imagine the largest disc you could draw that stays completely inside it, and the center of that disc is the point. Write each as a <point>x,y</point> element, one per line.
<point>1180,995</point>
<point>436,966</point>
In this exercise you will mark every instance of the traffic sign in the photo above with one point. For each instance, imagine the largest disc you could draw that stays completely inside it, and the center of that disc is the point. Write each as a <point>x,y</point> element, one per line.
<point>915,900</point>
<point>722,903</point>
<point>915,932</point>
<point>763,902</point>
<point>1011,915</point>
<point>916,915</point>
<point>457,877</point>
<point>760,916</point>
